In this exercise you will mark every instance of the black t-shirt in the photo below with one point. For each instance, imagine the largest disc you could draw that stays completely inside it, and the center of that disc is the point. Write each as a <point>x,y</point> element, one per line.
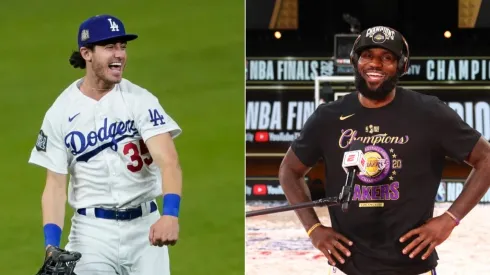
<point>406,143</point>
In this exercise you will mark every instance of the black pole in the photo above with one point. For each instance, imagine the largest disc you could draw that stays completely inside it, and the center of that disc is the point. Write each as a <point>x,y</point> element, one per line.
<point>331,201</point>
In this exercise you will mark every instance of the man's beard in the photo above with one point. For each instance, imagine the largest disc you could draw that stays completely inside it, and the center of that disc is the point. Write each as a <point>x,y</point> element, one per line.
<point>100,71</point>
<point>381,92</point>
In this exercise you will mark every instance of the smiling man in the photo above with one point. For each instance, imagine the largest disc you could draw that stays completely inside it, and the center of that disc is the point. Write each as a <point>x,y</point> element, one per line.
<point>115,142</point>
<point>377,54</point>
<point>390,228</point>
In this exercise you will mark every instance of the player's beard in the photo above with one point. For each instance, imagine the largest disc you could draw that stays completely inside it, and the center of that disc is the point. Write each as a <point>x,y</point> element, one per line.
<point>379,93</point>
<point>102,71</point>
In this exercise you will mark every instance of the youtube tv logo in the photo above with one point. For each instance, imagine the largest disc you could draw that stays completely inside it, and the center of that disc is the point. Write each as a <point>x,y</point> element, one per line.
<point>261,136</point>
<point>259,190</point>
<point>265,189</point>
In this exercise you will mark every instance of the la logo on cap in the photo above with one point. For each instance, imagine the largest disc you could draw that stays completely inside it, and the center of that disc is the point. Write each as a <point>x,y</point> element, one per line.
<point>113,25</point>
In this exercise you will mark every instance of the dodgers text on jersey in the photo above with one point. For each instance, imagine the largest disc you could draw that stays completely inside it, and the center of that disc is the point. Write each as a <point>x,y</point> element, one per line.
<point>117,131</point>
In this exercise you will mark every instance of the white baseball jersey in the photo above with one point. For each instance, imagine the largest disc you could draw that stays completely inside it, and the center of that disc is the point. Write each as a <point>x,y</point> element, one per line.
<point>100,144</point>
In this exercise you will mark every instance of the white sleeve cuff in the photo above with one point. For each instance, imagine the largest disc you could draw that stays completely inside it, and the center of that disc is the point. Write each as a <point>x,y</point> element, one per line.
<point>174,131</point>
<point>43,162</point>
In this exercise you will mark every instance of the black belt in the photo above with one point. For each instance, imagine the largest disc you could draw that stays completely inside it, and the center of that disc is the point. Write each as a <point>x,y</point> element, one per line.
<point>118,214</point>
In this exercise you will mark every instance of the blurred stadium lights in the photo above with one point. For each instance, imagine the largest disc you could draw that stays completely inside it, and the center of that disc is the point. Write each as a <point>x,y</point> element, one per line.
<point>447,34</point>
<point>312,27</point>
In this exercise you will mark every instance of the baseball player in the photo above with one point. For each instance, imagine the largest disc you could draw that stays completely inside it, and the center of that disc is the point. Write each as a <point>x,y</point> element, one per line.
<point>115,141</point>
<point>389,228</point>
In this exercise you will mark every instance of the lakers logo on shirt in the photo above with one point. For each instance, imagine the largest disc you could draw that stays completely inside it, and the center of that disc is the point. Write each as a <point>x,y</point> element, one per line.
<point>378,165</point>
<point>379,182</point>
<point>375,164</point>
<point>379,169</point>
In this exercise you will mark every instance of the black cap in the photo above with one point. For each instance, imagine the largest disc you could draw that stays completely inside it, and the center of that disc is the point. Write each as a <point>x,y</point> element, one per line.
<point>380,37</point>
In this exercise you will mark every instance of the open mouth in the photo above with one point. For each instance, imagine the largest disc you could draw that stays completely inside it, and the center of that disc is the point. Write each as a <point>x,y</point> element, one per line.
<point>115,66</point>
<point>375,75</point>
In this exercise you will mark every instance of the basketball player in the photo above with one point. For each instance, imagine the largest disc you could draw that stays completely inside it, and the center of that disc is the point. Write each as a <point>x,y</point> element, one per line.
<point>115,141</point>
<point>389,228</point>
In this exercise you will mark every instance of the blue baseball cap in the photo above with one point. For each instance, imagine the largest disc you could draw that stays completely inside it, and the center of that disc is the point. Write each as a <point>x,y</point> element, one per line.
<point>100,28</point>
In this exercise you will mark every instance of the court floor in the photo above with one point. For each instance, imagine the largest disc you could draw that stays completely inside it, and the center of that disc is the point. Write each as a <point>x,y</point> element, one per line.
<point>277,244</point>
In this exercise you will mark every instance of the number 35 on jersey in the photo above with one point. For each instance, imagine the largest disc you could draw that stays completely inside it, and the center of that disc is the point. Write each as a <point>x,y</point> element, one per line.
<point>137,155</point>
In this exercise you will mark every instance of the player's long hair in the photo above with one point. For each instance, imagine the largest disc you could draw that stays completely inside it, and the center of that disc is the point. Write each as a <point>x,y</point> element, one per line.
<point>76,59</point>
